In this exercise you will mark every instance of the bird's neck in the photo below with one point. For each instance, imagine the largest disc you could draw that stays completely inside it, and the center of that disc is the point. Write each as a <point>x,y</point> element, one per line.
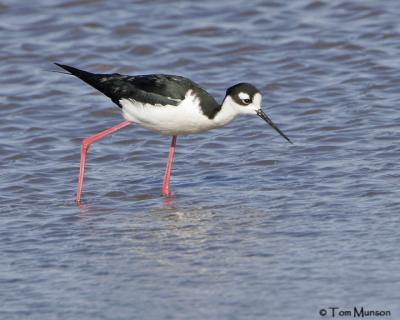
<point>227,113</point>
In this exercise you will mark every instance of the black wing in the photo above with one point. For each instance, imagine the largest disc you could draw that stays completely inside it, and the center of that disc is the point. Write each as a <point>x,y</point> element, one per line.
<point>153,88</point>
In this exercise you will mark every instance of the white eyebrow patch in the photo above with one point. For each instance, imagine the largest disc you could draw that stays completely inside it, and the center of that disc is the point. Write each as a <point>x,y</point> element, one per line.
<point>243,95</point>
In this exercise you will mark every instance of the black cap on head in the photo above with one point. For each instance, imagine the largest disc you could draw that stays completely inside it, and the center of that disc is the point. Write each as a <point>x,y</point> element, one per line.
<point>243,87</point>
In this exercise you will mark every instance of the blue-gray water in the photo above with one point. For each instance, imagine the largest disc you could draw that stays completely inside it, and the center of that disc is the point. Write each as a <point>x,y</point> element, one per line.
<point>259,228</point>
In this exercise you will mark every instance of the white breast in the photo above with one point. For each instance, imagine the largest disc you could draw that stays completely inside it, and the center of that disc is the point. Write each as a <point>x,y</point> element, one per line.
<point>183,119</point>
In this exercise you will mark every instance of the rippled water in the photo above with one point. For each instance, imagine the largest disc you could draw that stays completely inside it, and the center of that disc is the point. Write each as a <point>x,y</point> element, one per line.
<point>258,228</point>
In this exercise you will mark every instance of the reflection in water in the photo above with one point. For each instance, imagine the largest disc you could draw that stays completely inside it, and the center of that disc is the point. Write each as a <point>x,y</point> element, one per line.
<point>170,201</point>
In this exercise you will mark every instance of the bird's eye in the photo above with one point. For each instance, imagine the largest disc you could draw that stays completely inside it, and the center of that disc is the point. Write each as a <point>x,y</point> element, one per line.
<point>246,101</point>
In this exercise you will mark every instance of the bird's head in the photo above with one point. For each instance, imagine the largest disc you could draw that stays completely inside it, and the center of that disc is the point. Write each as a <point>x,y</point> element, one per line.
<point>246,99</point>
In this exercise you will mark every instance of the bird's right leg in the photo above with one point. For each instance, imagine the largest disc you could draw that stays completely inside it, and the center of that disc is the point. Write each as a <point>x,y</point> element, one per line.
<point>165,187</point>
<point>84,149</point>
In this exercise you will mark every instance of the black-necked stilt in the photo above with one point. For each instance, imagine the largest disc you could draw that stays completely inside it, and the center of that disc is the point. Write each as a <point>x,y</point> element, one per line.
<point>170,105</point>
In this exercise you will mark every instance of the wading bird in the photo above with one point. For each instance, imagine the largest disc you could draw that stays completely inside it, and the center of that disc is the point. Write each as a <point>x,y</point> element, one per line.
<point>170,105</point>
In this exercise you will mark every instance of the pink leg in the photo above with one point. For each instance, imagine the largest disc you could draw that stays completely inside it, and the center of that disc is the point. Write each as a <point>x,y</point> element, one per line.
<point>165,187</point>
<point>84,149</point>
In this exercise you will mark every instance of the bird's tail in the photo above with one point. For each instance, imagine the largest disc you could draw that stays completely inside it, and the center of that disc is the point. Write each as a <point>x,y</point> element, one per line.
<point>88,77</point>
<point>107,84</point>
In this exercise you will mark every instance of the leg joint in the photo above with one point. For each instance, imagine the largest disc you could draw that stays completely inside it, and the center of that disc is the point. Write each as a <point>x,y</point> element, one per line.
<point>85,143</point>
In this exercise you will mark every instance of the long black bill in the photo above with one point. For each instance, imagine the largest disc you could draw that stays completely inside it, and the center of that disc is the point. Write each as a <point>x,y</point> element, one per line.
<point>263,116</point>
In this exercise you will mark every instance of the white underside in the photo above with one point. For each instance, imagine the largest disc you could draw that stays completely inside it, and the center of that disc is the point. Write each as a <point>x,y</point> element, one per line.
<point>185,118</point>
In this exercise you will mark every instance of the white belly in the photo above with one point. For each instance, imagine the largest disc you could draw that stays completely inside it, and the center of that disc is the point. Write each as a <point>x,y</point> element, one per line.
<point>183,119</point>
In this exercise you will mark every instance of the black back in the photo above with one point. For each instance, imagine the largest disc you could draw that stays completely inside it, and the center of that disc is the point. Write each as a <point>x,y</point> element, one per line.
<point>155,89</point>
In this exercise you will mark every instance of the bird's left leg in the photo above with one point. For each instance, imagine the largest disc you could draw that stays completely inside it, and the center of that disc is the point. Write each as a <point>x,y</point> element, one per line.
<point>84,149</point>
<point>165,187</point>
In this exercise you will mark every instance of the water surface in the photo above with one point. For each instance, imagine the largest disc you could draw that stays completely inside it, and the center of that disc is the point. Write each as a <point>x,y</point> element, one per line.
<point>258,228</point>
